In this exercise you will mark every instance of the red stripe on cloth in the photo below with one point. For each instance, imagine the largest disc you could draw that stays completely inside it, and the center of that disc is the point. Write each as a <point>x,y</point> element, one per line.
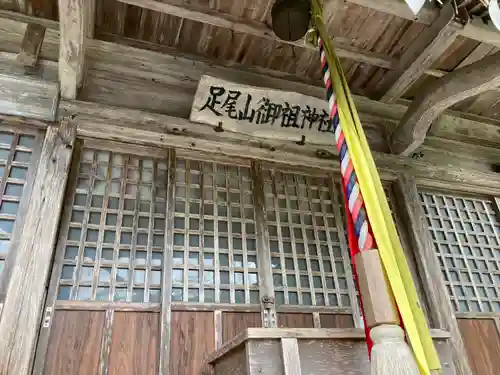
<point>328,83</point>
<point>356,208</point>
<point>354,249</point>
<point>348,170</point>
<point>341,139</point>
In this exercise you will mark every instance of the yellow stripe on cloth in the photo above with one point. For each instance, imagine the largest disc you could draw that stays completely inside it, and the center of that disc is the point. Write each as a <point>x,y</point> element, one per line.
<point>379,214</point>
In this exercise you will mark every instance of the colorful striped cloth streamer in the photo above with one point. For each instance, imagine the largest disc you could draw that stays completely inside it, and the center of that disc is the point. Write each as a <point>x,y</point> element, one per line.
<point>366,203</point>
<point>354,198</point>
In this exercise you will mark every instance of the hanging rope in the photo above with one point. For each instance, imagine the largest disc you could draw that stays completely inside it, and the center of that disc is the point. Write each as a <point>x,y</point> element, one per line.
<point>360,179</point>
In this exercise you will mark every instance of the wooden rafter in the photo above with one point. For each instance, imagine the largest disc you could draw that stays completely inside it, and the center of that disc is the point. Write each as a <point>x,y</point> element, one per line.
<point>459,85</point>
<point>334,11</point>
<point>31,45</point>
<point>475,29</point>
<point>76,24</point>
<point>421,54</point>
<point>212,17</point>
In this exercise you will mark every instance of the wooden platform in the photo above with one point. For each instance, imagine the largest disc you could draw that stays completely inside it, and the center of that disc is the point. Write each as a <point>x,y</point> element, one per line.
<point>304,351</point>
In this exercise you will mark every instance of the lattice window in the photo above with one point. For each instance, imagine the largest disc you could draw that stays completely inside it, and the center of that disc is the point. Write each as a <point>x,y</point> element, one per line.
<point>15,156</point>
<point>116,235</point>
<point>307,258</point>
<point>215,258</point>
<point>466,236</point>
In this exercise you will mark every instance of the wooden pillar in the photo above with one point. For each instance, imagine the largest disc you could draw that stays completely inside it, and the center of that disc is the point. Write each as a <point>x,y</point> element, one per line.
<point>25,295</point>
<point>441,310</point>
<point>266,286</point>
<point>166,302</point>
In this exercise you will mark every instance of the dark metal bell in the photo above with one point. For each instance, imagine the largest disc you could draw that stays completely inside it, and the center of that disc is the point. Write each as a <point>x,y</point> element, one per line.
<point>290,18</point>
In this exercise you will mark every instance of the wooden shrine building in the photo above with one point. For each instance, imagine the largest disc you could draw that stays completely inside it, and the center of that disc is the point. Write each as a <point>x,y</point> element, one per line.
<point>150,199</point>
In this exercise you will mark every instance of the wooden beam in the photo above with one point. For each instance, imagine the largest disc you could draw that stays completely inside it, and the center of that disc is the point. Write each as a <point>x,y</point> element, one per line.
<point>74,21</point>
<point>21,17</point>
<point>31,45</point>
<point>144,128</point>
<point>475,29</point>
<point>28,92</point>
<point>334,11</point>
<point>442,312</point>
<point>421,54</point>
<point>12,18</point>
<point>212,17</point>
<point>459,85</point>
<point>22,310</point>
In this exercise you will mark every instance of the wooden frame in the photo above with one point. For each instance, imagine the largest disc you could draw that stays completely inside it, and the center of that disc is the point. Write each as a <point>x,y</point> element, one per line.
<point>441,310</point>
<point>36,243</point>
<point>23,197</point>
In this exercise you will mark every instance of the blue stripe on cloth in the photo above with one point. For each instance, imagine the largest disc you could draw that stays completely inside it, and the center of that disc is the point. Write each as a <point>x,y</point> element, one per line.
<point>350,184</point>
<point>343,150</point>
<point>359,222</point>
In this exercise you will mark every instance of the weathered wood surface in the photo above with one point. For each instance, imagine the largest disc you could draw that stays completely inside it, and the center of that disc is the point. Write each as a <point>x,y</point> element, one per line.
<point>295,320</point>
<point>159,130</point>
<point>105,347</point>
<point>421,54</point>
<point>234,364</point>
<point>349,334</point>
<point>134,344</point>
<point>20,321</point>
<point>272,112</point>
<point>234,323</point>
<point>104,305</point>
<point>75,17</point>
<point>377,302</point>
<point>166,82</point>
<point>476,29</point>
<point>336,321</point>
<point>17,233</point>
<point>192,339</point>
<point>264,357</point>
<point>266,285</point>
<point>28,92</point>
<point>31,45</point>
<point>312,356</point>
<point>74,343</point>
<point>57,263</point>
<point>441,310</point>
<point>482,342</point>
<point>252,27</point>
<point>455,87</point>
<point>166,304</point>
<point>291,358</point>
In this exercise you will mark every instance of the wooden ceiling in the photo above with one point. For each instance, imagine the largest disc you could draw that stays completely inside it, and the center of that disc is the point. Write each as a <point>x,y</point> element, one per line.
<point>375,38</point>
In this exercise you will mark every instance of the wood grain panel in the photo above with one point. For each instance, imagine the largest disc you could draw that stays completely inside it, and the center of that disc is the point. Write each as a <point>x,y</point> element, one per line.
<point>234,323</point>
<point>295,320</point>
<point>233,364</point>
<point>336,321</point>
<point>192,339</point>
<point>134,344</point>
<point>482,343</point>
<point>74,343</point>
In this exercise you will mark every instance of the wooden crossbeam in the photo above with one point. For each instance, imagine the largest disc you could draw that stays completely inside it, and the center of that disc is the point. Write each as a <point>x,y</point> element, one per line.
<point>31,45</point>
<point>459,85</point>
<point>475,29</point>
<point>212,17</point>
<point>421,54</point>
<point>76,20</point>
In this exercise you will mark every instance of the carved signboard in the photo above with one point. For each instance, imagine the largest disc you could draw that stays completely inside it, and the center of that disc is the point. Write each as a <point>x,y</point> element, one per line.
<point>262,112</point>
